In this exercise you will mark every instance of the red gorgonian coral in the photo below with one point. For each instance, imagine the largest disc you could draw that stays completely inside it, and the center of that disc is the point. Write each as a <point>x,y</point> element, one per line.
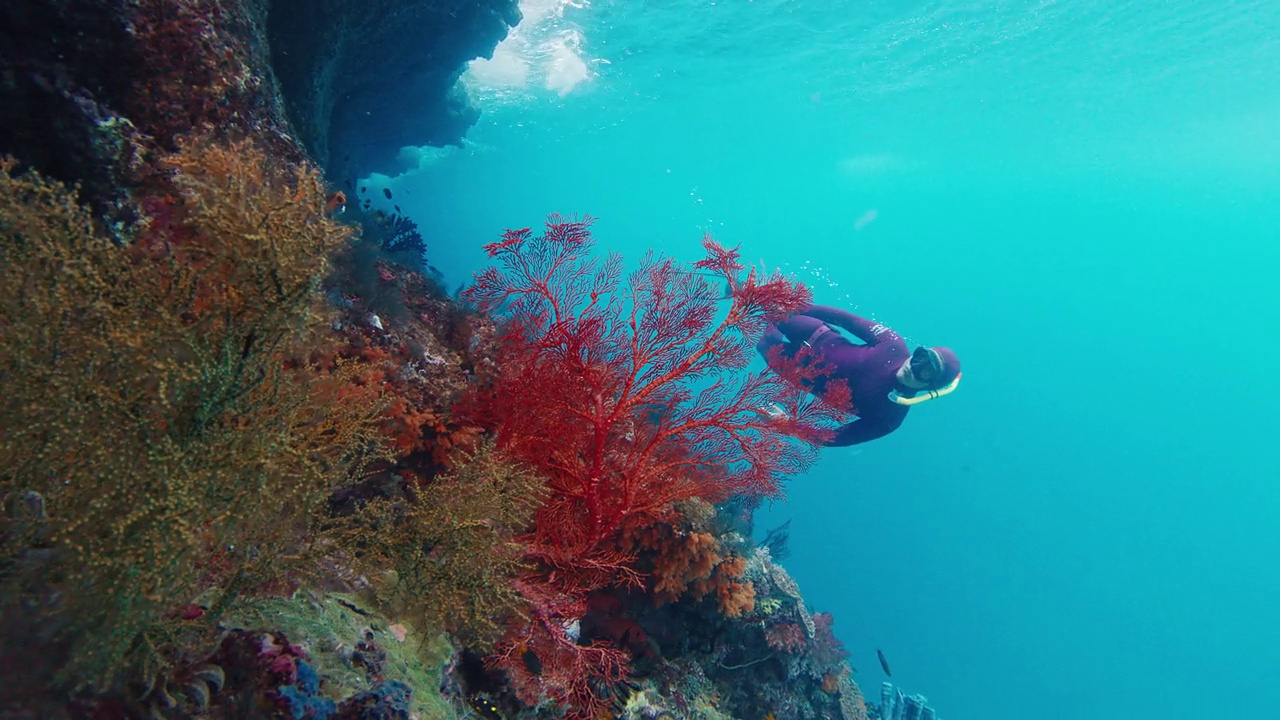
<point>629,396</point>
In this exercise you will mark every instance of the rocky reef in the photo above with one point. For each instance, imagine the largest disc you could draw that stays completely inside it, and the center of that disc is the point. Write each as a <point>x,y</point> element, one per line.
<point>363,79</point>
<point>91,91</point>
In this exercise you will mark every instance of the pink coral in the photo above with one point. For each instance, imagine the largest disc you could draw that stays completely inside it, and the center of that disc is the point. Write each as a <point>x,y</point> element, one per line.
<point>786,637</point>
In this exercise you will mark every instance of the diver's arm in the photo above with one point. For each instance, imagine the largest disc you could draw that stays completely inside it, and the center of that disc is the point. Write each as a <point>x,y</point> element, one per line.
<point>860,431</point>
<point>865,330</point>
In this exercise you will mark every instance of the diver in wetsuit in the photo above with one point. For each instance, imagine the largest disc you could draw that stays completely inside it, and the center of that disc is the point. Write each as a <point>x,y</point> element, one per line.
<point>884,379</point>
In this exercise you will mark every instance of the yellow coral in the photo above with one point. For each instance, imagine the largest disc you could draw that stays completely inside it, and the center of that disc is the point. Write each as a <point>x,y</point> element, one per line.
<point>158,402</point>
<point>450,548</point>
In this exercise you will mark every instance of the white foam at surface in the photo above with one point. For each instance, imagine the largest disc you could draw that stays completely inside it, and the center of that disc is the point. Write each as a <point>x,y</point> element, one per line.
<point>545,50</point>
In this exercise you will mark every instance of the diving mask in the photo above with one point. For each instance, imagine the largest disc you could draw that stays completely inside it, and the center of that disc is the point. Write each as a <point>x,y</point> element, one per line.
<point>926,365</point>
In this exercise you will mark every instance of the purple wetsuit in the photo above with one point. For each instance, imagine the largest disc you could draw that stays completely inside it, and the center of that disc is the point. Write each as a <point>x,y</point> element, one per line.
<point>870,368</point>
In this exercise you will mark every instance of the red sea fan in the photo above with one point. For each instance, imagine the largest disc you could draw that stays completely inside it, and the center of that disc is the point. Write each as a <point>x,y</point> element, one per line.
<point>544,662</point>
<point>630,396</point>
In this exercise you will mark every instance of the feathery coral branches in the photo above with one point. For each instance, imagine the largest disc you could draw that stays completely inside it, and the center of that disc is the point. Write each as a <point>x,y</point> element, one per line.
<point>158,412</point>
<point>545,663</point>
<point>630,396</point>
<point>448,545</point>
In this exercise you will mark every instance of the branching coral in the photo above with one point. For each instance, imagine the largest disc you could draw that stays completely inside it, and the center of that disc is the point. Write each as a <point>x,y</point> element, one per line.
<point>158,401</point>
<point>629,397</point>
<point>449,547</point>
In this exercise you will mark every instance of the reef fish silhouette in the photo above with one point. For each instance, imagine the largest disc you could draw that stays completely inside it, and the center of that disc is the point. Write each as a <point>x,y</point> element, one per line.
<point>883,663</point>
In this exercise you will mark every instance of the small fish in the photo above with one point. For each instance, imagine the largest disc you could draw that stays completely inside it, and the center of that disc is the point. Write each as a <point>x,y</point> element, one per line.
<point>884,664</point>
<point>387,192</point>
<point>336,202</point>
<point>531,662</point>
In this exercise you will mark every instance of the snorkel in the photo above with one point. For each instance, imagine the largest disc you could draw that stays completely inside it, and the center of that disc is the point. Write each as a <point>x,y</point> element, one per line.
<point>927,396</point>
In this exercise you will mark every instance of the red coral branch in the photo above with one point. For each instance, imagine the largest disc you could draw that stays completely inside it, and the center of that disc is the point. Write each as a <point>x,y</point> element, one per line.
<point>631,396</point>
<point>545,663</point>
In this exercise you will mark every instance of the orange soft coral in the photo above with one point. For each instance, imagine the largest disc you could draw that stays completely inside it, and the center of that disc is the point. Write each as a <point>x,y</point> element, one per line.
<point>733,595</point>
<point>407,424</point>
<point>691,562</point>
<point>415,419</point>
<point>677,558</point>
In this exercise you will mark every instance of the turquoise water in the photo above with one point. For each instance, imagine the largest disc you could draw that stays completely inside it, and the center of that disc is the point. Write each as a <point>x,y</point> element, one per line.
<point>1081,197</point>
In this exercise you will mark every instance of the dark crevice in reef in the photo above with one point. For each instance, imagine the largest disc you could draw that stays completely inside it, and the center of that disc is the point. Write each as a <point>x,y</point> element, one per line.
<point>60,69</point>
<point>362,80</point>
<point>91,90</point>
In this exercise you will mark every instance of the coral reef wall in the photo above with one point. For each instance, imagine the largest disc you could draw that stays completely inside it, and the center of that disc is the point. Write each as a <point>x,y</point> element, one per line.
<point>256,463</point>
<point>52,96</point>
<point>363,79</point>
<point>90,90</point>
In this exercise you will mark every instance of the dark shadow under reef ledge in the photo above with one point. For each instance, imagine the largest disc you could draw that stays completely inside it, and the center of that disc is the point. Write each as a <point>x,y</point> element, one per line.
<point>92,90</point>
<point>363,79</point>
